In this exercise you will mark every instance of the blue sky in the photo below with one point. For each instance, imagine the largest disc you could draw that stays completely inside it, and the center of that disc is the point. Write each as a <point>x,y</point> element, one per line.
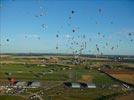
<point>32,26</point>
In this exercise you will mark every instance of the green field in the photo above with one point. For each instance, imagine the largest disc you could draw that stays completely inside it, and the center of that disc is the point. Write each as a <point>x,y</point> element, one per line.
<point>51,72</point>
<point>11,98</point>
<point>51,75</point>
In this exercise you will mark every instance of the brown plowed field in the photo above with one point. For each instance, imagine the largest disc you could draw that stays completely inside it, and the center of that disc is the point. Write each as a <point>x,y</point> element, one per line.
<point>126,76</point>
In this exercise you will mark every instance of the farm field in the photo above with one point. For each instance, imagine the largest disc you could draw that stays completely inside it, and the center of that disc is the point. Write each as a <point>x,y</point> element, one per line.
<point>129,78</point>
<point>52,72</point>
<point>123,75</point>
<point>11,98</point>
<point>126,97</point>
<point>77,94</point>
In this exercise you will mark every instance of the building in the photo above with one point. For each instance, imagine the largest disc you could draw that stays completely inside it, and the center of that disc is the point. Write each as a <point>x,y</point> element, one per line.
<point>72,85</point>
<point>79,85</point>
<point>75,85</point>
<point>91,85</point>
<point>34,84</point>
<point>20,84</point>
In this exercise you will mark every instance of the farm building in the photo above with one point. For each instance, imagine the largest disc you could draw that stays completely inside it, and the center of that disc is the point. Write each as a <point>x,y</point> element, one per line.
<point>34,84</point>
<point>72,85</point>
<point>53,60</point>
<point>20,84</point>
<point>79,85</point>
<point>91,85</point>
<point>76,85</point>
<point>88,85</point>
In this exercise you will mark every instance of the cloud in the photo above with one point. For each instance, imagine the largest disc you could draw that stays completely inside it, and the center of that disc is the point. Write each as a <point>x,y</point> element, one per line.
<point>32,35</point>
<point>67,36</point>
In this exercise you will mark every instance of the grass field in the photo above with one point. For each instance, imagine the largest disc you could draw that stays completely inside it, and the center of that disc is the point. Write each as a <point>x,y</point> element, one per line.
<point>11,98</point>
<point>32,72</point>
<point>53,74</point>
<point>78,94</point>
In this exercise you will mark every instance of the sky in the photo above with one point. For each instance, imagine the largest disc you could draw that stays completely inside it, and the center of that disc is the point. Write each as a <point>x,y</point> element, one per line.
<point>67,26</point>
